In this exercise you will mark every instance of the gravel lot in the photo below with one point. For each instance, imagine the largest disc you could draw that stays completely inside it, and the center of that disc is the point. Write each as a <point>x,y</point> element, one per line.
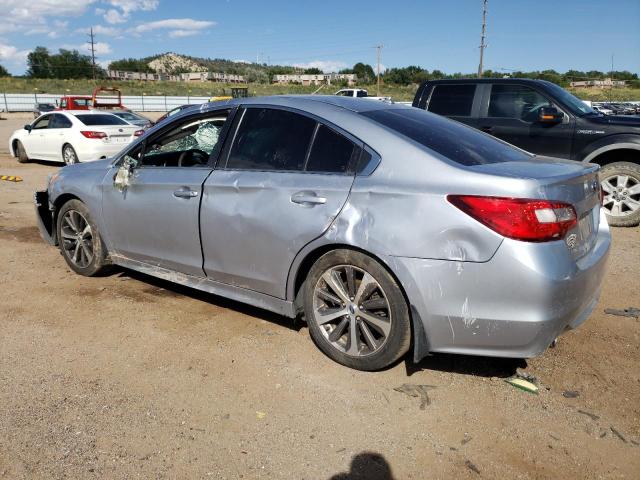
<point>127,376</point>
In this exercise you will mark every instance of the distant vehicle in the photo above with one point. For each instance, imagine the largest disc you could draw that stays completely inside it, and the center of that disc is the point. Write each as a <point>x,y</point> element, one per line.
<point>173,112</point>
<point>380,207</point>
<point>105,98</point>
<point>601,109</point>
<point>40,108</point>
<point>359,93</point>
<point>72,137</point>
<point>543,118</point>
<point>133,118</point>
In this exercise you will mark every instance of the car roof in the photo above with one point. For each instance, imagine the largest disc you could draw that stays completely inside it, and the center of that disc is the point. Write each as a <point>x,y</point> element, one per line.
<point>487,80</point>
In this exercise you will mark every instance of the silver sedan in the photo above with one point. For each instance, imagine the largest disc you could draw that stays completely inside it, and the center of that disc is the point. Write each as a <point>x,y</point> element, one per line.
<point>387,228</point>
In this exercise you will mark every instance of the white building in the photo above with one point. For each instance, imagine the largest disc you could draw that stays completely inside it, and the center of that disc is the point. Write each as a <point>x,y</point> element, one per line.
<point>315,79</point>
<point>607,82</point>
<point>182,77</point>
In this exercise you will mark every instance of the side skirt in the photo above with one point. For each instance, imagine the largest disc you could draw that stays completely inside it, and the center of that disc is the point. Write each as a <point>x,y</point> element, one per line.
<point>239,294</point>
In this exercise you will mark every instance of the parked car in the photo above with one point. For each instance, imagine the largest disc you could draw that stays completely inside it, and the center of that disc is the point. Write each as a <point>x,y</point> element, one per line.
<point>72,137</point>
<point>133,118</point>
<point>173,112</point>
<point>389,227</point>
<point>544,119</point>
<point>359,93</point>
<point>601,109</point>
<point>40,108</point>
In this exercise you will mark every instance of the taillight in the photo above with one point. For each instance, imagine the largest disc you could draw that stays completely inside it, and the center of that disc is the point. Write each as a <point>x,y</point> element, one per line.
<point>90,134</point>
<point>138,133</point>
<point>526,219</point>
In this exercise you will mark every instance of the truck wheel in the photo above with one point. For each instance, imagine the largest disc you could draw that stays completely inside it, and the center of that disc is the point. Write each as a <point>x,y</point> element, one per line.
<point>21,153</point>
<point>79,240</point>
<point>355,310</point>
<point>621,185</point>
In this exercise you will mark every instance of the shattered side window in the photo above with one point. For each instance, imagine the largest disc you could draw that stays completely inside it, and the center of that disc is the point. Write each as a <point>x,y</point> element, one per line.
<point>200,135</point>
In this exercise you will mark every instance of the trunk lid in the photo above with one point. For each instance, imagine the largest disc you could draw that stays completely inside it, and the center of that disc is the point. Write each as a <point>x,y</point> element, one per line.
<point>116,134</point>
<point>559,180</point>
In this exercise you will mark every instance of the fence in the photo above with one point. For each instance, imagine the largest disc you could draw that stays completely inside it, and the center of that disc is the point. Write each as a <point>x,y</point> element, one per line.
<point>24,102</point>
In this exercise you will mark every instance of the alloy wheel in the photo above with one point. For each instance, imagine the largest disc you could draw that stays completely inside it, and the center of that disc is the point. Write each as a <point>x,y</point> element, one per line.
<point>352,310</point>
<point>77,238</point>
<point>622,195</point>
<point>69,156</point>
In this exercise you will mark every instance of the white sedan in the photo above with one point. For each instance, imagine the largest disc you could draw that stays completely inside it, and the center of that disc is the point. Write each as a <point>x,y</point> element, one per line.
<point>72,137</point>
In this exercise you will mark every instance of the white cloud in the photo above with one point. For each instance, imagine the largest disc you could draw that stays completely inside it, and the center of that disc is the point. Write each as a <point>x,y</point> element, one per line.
<point>178,27</point>
<point>102,30</point>
<point>326,66</point>
<point>122,9</point>
<point>13,58</point>
<point>33,17</point>
<point>101,48</point>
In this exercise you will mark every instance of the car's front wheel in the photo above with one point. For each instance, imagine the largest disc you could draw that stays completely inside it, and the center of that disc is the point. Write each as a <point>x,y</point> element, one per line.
<point>355,310</point>
<point>69,155</point>
<point>79,240</point>
<point>621,185</point>
<point>21,153</point>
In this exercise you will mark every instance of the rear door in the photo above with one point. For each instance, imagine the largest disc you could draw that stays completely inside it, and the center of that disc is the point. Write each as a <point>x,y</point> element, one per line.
<point>155,220</point>
<point>58,133</point>
<point>282,180</point>
<point>510,112</point>
<point>457,101</point>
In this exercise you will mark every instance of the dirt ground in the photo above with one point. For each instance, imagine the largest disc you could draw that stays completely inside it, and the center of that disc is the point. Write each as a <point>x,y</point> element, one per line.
<point>130,377</point>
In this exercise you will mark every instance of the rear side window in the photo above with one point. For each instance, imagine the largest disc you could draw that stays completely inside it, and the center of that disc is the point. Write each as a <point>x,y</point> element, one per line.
<point>271,140</point>
<point>92,119</point>
<point>453,140</point>
<point>59,121</point>
<point>452,100</point>
<point>331,152</point>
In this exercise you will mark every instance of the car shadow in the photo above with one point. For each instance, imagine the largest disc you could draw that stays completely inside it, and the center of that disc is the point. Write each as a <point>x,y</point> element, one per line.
<point>467,365</point>
<point>223,302</point>
<point>47,163</point>
<point>366,466</point>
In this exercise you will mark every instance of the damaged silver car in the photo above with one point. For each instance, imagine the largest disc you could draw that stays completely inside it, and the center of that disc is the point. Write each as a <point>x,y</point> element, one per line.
<point>385,227</point>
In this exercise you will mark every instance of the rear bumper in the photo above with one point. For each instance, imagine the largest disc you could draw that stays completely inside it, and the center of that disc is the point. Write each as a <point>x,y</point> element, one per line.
<point>514,305</point>
<point>44,216</point>
<point>100,151</point>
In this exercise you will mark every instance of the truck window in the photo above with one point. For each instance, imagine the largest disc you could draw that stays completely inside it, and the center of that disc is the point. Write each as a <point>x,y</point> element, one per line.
<point>452,100</point>
<point>361,93</point>
<point>515,101</point>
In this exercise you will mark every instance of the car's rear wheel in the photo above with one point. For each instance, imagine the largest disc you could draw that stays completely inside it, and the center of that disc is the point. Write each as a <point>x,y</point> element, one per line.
<point>621,185</point>
<point>355,310</point>
<point>79,239</point>
<point>21,153</point>
<point>69,155</point>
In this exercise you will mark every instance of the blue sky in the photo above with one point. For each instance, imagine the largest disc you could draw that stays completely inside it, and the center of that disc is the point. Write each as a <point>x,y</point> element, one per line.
<point>444,35</point>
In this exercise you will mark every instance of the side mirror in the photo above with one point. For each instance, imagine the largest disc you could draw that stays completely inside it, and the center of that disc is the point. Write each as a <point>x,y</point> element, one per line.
<point>27,127</point>
<point>550,115</point>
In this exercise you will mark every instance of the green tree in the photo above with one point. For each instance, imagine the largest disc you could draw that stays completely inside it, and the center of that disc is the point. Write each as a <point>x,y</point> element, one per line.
<point>4,72</point>
<point>364,72</point>
<point>313,71</point>
<point>39,65</point>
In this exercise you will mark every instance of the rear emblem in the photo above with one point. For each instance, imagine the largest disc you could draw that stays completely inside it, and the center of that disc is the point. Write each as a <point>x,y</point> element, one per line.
<point>120,130</point>
<point>572,240</point>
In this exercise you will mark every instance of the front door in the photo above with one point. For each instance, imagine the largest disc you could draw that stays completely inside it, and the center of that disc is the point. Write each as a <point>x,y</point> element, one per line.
<point>512,115</point>
<point>36,141</point>
<point>155,219</point>
<point>279,186</point>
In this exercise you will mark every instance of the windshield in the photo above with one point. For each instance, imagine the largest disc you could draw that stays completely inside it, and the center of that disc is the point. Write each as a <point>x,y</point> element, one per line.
<point>92,119</point>
<point>576,105</point>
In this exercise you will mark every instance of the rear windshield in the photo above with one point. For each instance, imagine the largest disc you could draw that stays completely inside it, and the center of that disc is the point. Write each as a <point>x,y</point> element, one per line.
<point>457,142</point>
<point>100,119</point>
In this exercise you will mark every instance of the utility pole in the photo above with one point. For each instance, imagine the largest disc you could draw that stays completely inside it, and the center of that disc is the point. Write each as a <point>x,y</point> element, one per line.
<point>611,88</point>
<point>379,48</point>
<point>92,43</point>
<point>483,45</point>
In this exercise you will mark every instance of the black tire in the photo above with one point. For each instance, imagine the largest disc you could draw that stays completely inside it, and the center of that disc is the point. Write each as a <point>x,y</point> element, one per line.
<point>98,262</point>
<point>21,153</point>
<point>609,175</point>
<point>69,155</point>
<point>395,343</point>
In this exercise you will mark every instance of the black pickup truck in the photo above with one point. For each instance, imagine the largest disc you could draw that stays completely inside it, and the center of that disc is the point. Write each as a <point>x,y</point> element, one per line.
<point>545,119</point>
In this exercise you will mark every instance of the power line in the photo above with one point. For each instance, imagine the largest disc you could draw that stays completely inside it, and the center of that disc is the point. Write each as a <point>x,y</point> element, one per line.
<point>482,37</point>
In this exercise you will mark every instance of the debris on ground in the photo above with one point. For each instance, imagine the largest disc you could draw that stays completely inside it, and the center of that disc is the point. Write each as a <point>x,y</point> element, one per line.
<point>472,467</point>
<point>618,434</point>
<point>417,391</point>
<point>520,373</point>
<point>466,440</point>
<point>522,384</point>
<point>570,394</point>
<point>592,416</point>
<point>632,312</point>
<point>260,415</point>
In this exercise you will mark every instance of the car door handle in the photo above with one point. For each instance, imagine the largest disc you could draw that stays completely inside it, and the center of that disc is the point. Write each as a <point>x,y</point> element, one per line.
<point>185,193</point>
<point>308,198</point>
<point>487,129</point>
